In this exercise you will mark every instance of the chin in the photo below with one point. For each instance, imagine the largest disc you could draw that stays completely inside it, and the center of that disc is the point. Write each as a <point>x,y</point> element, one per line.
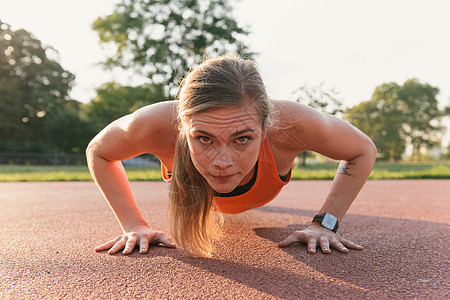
<point>223,188</point>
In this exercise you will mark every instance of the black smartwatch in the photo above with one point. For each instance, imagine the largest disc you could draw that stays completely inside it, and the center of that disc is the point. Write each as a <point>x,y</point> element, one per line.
<point>327,220</point>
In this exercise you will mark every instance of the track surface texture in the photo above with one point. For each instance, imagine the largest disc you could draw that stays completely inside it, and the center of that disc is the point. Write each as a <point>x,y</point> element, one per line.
<point>48,232</point>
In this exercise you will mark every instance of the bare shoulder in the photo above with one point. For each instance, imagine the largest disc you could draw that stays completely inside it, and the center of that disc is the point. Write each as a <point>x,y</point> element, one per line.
<point>155,126</point>
<point>161,116</point>
<point>284,141</point>
<point>298,128</point>
<point>293,125</point>
<point>151,129</point>
<point>291,112</point>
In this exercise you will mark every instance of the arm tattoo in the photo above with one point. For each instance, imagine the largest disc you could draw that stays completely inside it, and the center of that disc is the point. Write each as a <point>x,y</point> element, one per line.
<point>344,168</point>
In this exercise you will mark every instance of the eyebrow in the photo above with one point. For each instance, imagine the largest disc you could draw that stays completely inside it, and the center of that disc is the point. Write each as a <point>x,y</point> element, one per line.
<point>237,133</point>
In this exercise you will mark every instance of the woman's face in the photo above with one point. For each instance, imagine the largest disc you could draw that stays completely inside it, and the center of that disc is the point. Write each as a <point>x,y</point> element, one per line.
<point>224,145</point>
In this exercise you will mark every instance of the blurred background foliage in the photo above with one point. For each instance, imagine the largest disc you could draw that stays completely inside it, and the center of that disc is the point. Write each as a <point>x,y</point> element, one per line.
<point>161,40</point>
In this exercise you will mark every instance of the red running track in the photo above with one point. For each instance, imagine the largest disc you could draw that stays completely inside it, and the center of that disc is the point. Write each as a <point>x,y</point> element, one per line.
<point>49,230</point>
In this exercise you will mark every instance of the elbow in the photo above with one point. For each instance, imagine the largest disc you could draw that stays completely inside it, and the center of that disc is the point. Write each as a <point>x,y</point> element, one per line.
<point>90,151</point>
<point>371,150</point>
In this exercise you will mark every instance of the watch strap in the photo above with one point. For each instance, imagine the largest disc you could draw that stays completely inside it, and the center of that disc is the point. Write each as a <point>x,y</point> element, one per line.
<point>319,218</point>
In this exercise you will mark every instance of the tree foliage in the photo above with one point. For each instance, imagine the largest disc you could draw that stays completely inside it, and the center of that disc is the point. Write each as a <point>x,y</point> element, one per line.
<point>114,101</point>
<point>400,115</point>
<point>380,121</point>
<point>420,113</point>
<point>320,98</point>
<point>32,86</point>
<point>67,129</point>
<point>163,39</point>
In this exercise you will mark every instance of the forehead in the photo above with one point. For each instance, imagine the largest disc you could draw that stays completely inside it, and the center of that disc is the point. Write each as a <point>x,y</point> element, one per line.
<point>226,118</point>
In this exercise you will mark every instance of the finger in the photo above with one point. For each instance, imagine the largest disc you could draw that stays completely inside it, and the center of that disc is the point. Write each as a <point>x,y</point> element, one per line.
<point>293,238</point>
<point>131,243</point>
<point>324,245</point>
<point>312,245</point>
<point>162,238</point>
<point>108,244</point>
<point>336,244</point>
<point>143,244</point>
<point>118,246</point>
<point>351,245</point>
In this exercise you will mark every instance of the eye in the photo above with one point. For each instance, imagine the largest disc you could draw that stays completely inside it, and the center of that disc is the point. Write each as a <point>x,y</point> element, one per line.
<point>204,140</point>
<point>243,139</point>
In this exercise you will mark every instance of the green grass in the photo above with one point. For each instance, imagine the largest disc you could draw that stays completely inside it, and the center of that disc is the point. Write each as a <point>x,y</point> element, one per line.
<point>382,170</point>
<point>438,170</point>
<point>67,173</point>
<point>44,173</point>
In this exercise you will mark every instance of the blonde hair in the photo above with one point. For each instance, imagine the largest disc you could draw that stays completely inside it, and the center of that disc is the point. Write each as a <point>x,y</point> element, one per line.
<point>220,82</point>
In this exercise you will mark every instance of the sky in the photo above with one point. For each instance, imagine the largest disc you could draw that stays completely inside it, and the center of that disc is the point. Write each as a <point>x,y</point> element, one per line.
<point>349,45</point>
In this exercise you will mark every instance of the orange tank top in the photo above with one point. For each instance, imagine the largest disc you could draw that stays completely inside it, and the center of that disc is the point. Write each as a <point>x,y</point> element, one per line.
<point>265,188</point>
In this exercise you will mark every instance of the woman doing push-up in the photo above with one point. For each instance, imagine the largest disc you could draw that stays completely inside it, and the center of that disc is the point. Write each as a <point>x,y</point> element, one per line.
<point>225,147</point>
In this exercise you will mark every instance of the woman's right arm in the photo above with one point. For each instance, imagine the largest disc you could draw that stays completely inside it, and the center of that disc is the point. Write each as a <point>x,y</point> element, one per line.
<point>149,129</point>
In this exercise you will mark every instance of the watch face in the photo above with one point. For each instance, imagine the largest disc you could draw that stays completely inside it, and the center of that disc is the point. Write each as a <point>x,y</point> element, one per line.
<point>329,221</point>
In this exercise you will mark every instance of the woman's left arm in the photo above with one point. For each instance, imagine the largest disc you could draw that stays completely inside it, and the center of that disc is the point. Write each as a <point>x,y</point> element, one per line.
<point>336,139</point>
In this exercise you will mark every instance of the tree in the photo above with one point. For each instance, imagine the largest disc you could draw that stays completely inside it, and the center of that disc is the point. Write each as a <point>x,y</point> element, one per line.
<point>32,86</point>
<point>320,98</point>
<point>421,115</point>
<point>400,115</point>
<point>380,122</point>
<point>163,39</point>
<point>67,130</point>
<point>114,101</point>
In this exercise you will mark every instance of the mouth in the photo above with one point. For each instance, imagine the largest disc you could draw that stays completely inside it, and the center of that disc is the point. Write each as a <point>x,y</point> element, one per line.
<point>223,178</point>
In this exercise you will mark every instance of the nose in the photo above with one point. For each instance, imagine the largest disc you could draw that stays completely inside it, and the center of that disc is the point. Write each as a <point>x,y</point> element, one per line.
<point>223,160</point>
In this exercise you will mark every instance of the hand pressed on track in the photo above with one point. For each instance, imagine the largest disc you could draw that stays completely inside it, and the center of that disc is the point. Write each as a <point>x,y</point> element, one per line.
<point>315,235</point>
<point>138,235</point>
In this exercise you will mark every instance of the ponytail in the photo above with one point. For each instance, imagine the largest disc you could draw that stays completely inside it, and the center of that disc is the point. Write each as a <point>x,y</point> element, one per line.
<point>216,83</point>
<point>190,202</point>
